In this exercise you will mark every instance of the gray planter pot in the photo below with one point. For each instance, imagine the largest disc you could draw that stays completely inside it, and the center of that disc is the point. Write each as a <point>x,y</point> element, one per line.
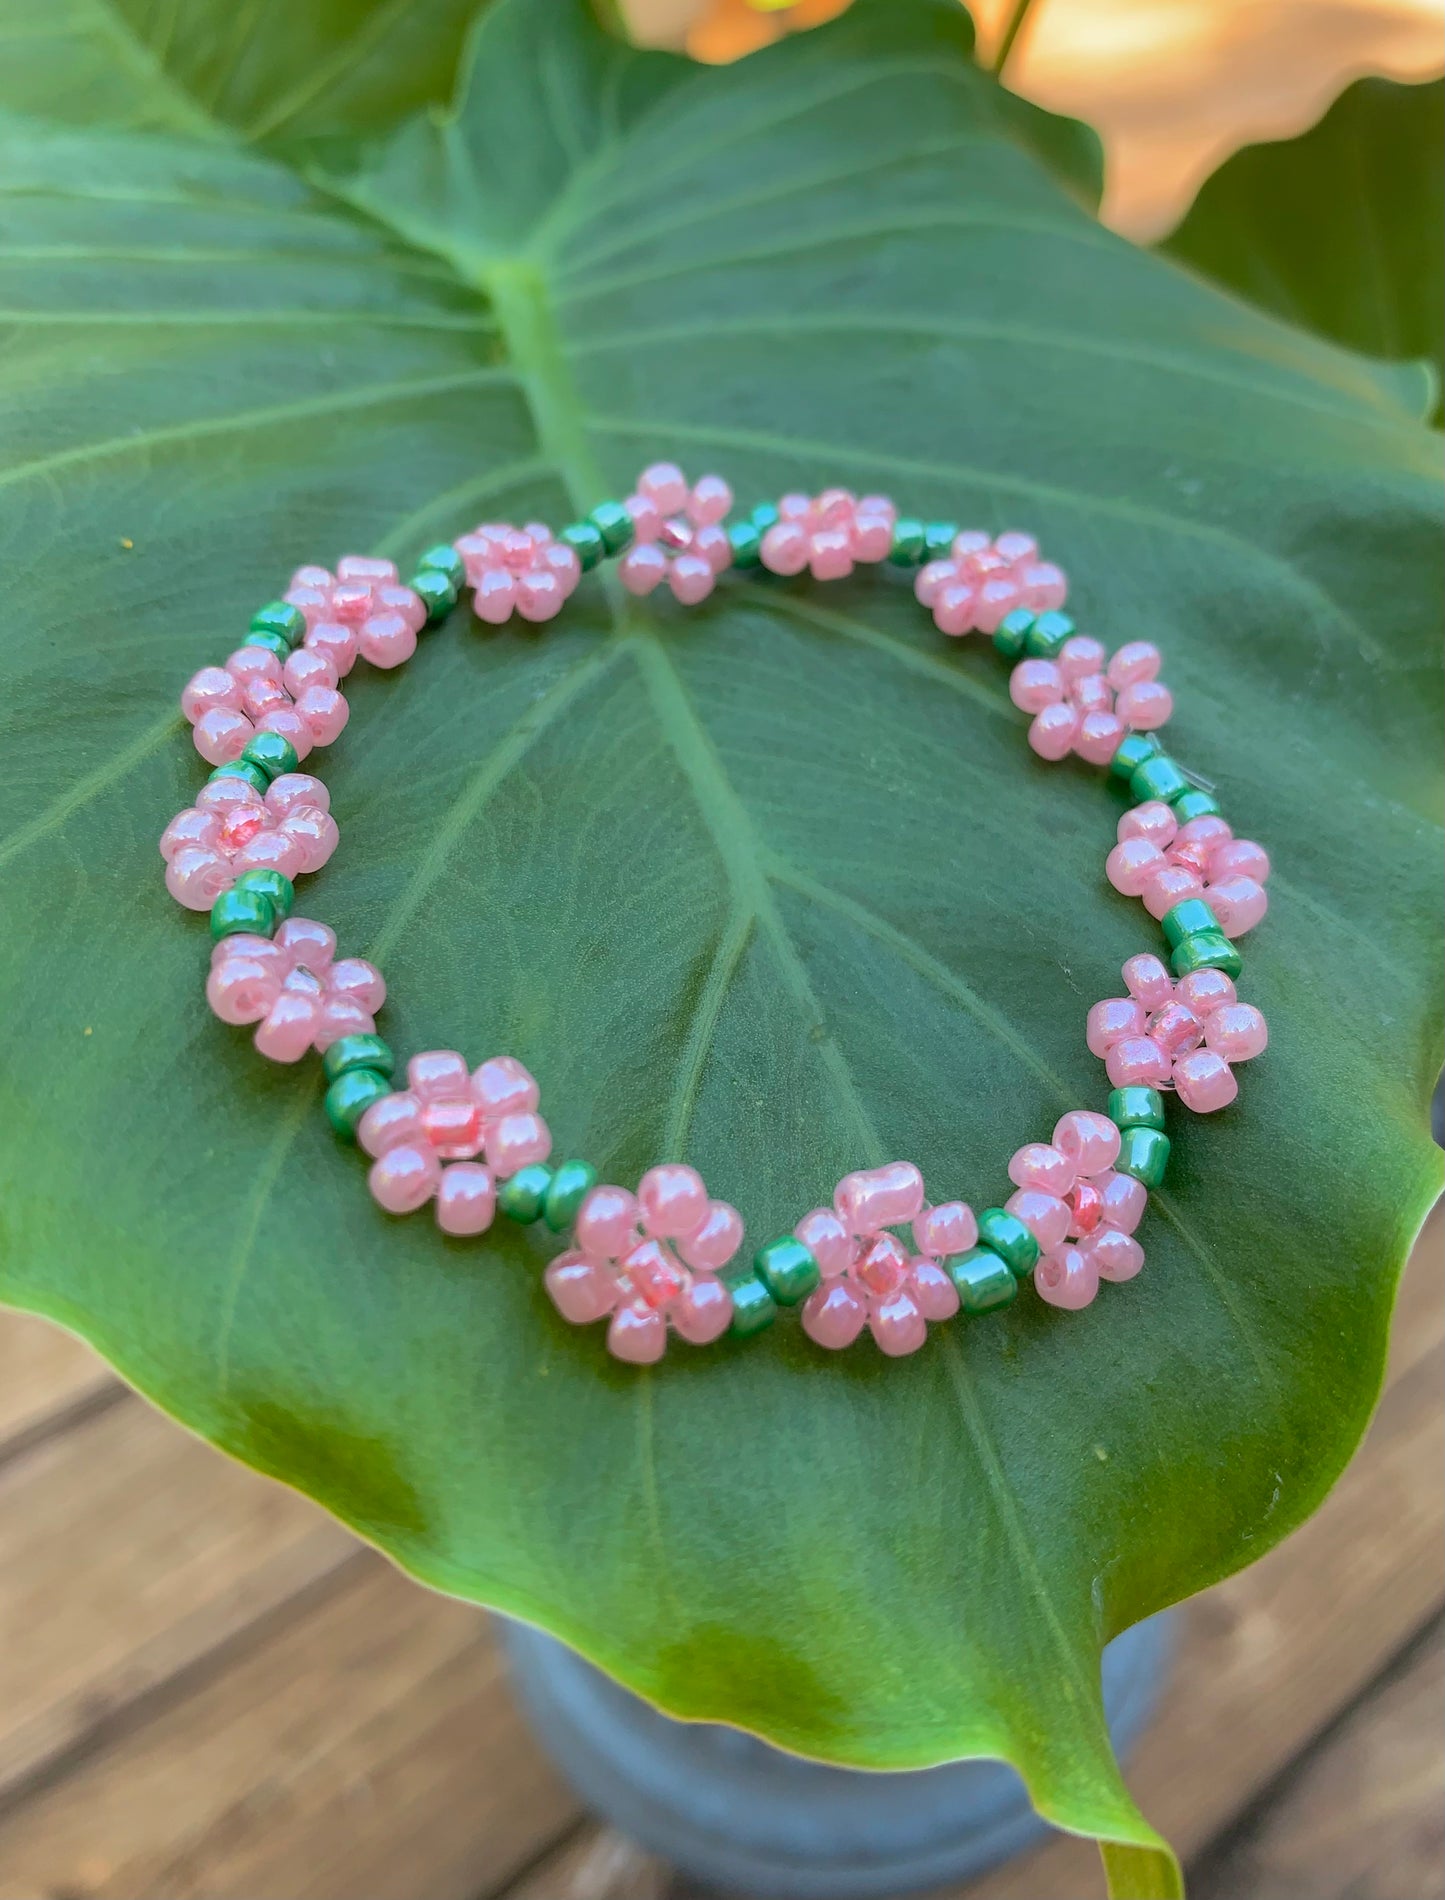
<point>738,1815</point>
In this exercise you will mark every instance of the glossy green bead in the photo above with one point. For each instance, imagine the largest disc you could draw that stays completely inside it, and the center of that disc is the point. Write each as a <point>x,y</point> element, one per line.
<point>938,539</point>
<point>274,886</point>
<point>1136,1108</point>
<point>787,1269</point>
<point>746,541</point>
<point>276,643</point>
<point>1045,638</point>
<point>525,1195</point>
<point>279,616</point>
<point>444,559</point>
<point>275,756</point>
<point>236,911</point>
<point>568,1189</point>
<point>1195,804</point>
<point>614,524</point>
<point>358,1052</point>
<point>1005,1234</point>
<point>1191,917</point>
<point>1134,749</point>
<point>754,1308</point>
<point>1158,777</point>
<point>1144,1153</point>
<point>765,516</point>
<point>350,1095</point>
<point>1210,950</point>
<point>437,591</point>
<point>585,540</point>
<point>983,1278</point>
<point>908,540</point>
<point>238,768</point>
<point>1013,632</point>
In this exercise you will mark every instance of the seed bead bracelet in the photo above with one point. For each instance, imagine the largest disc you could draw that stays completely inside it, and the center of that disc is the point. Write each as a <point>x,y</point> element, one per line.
<point>473,1141</point>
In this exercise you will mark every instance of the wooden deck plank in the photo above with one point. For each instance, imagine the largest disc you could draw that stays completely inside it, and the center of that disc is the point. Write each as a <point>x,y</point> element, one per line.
<point>48,1378</point>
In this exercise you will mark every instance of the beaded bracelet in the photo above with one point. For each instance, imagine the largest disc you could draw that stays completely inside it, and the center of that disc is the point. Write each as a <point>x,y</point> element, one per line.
<point>474,1143</point>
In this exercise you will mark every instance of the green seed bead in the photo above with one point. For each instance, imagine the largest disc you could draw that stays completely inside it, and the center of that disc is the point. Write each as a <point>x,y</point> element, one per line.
<point>585,540</point>
<point>279,616</point>
<point>614,524</point>
<point>787,1270</point>
<point>238,768</point>
<point>1013,631</point>
<point>1210,950</point>
<point>753,1307</point>
<point>1136,1108</point>
<point>984,1280</point>
<point>444,559</point>
<point>1191,917</point>
<point>274,886</point>
<point>1144,1153</point>
<point>1134,749</point>
<point>1195,804</point>
<point>1005,1234</point>
<point>236,911</point>
<point>525,1195</point>
<point>747,543</point>
<point>938,539</point>
<point>358,1052</point>
<point>437,591</point>
<point>569,1188</point>
<point>1158,777</point>
<point>275,756</point>
<point>276,643</point>
<point>350,1095</point>
<point>765,516</point>
<point>908,542</point>
<point>1047,635</point>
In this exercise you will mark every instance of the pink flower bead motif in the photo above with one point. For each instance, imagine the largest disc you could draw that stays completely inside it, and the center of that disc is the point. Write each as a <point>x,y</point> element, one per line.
<point>233,828</point>
<point>525,571</point>
<point>870,1277</point>
<point>362,609</point>
<point>679,536</point>
<point>1079,1210</point>
<point>255,691</point>
<point>649,1264</point>
<point>295,987</point>
<point>446,1116</point>
<point>828,533</point>
<point>979,582</point>
<point>1086,703</point>
<point>1183,1034</point>
<point>1163,862</point>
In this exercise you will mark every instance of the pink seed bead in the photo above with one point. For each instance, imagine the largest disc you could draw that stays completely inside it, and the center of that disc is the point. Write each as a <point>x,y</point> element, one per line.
<point>1146,978</point>
<point>1045,588</point>
<point>1045,1216</point>
<point>828,1240</point>
<point>935,1294</point>
<point>1238,903</point>
<point>1239,857</point>
<point>794,507</point>
<point>1152,820</point>
<point>1145,706</point>
<point>1034,684</point>
<point>1111,1021</point>
<point>271,851</point>
<point>691,578</point>
<point>834,1314</point>
<point>212,686</point>
<point>1205,1081</point>
<point>940,1232</point>
<point>716,1240</point>
<point>371,568</point>
<point>1091,1141</point>
<point>642,568</point>
<point>1040,1165</point>
<point>503,1086</point>
<point>701,1312</point>
<point>359,980</point>
<point>404,1179</point>
<point>997,598</point>
<point>335,644</point>
<point>1053,732</point>
<point>872,535</point>
<point>898,1325</point>
<point>785,548</point>
<point>222,734</point>
<point>306,667</point>
<point>1205,990</point>
<point>709,502</point>
<point>253,663</point>
<point>607,1222</point>
<point>713,545</point>
<point>953,608</point>
<point>197,829</point>
<point>665,486</point>
<point>1130,865</point>
<point>874,1198</point>
<point>242,989</point>
<point>342,1016</point>
<point>1080,657</point>
<point>673,1201</point>
<point>1137,1062</point>
<point>1092,694</point>
<point>1139,660</point>
<point>1099,737</point>
<point>830,555</point>
<point>1067,1278</point>
<point>1016,548</point>
<point>438,1075</point>
<point>1113,1255</point>
<point>582,1290</point>
<point>1238,1032</point>
<point>288,724</point>
<point>494,596</point>
<point>515,1142</point>
<point>296,789</point>
<point>290,1026</point>
<point>466,1199</point>
<point>646,518</point>
<point>637,1336</point>
<point>386,640</point>
<point>1168,886</point>
<point>316,833</point>
<point>1125,1200</point>
<point>392,1122</point>
<point>325,713</point>
<point>540,594</point>
<point>314,602</point>
<point>306,945</point>
<point>396,599</point>
<point>931,578</point>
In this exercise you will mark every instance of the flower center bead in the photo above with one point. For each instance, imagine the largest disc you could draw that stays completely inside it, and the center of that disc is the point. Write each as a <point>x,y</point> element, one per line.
<point>884,1267</point>
<point>651,1275</point>
<point>454,1128</point>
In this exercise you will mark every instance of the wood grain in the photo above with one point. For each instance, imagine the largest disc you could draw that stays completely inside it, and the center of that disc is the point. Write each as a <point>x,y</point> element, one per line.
<point>48,1378</point>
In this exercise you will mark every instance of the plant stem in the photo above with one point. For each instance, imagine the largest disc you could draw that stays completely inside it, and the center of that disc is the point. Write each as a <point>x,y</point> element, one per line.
<point>1012,28</point>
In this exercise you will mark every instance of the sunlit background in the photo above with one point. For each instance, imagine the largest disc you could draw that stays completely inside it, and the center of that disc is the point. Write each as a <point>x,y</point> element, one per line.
<point>1172,85</point>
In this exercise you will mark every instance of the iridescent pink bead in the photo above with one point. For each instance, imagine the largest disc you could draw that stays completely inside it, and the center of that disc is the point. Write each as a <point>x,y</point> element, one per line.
<point>404,1179</point>
<point>1136,1062</point>
<point>834,1314</point>
<point>1068,1278</point>
<point>1045,1215</point>
<point>1038,1164</point>
<point>1193,1030</point>
<point>466,1199</point>
<point>1168,885</point>
<point>1146,706</point>
<point>828,1240</point>
<point>1124,1199</point>
<point>1130,865</point>
<point>875,1198</point>
<point>940,1232</point>
<point>1239,904</point>
<point>934,1293</point>
<point>232,828</point>
<point>1148,981</point>
<point>637,1335</point>
<point>1112,1254</point>
<point>1236,1031</point>
<point>1034,684</point>
<point>1112,1021</point>
<point>1089,1140</point>
<point>715,1241</point>
<point>525,571</point>
<point>1053,732</point>
<point>1138,661</point>
<point>1152,820</point>
<point>673,1201</point>
<point>897,1324</point>
<point>702,1311</point>
<point>1205,1081</point>
<point>678,536</point>
<point>442,1115</point>
<point>607,1223</point>
<point>582,1289</point>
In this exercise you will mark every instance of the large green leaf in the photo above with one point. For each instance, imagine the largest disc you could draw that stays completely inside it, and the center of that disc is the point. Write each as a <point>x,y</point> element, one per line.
<point>1341,229</point>
<point>775,885</point>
